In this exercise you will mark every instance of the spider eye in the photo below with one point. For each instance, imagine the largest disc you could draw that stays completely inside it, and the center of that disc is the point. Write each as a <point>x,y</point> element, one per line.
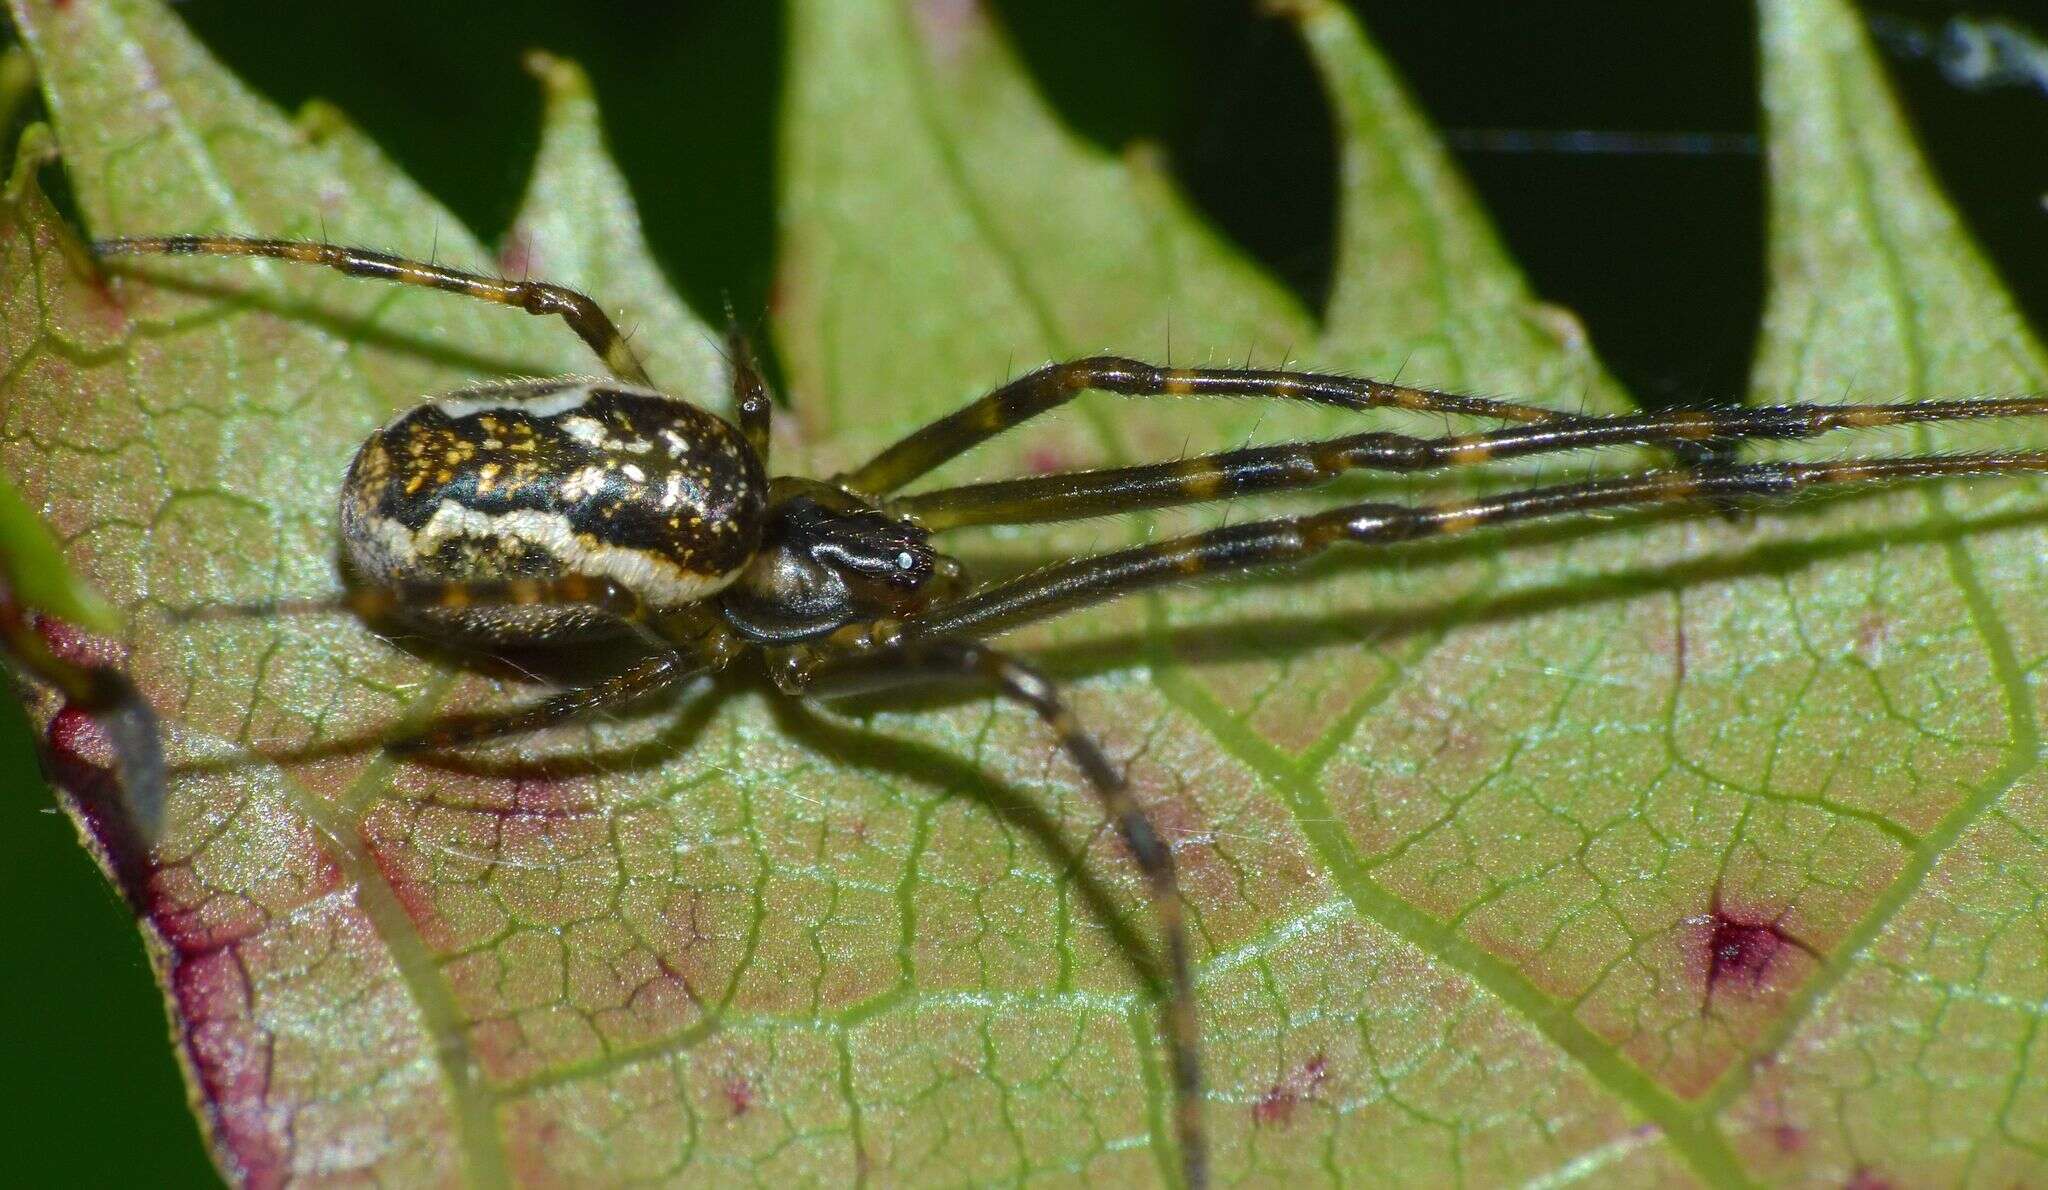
<point>898,563</point>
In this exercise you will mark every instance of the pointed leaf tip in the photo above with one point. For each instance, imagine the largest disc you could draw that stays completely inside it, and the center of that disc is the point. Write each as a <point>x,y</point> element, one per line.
<point>579,225</point>
<point>562,79</point>
<point>36,148</point>
<point>1877,289</point>
<point>1423,285</point>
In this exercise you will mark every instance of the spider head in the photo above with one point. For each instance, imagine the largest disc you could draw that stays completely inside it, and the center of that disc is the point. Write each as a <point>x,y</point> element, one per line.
<point>825,561</point>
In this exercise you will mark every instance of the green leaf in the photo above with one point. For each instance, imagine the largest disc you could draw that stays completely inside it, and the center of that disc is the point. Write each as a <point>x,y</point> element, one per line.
<point>36,572</point>
<point>1461,828</point>
<point>31,562</point>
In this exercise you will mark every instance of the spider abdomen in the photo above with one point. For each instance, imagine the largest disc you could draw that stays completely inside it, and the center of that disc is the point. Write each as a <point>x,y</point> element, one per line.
<point>543,479</point>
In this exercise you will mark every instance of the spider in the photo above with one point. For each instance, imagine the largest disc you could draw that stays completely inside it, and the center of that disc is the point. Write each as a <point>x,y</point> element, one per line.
<point>576,511</point>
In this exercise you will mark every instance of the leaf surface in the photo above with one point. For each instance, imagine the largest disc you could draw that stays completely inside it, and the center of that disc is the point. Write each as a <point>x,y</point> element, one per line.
<point>1462,829</point>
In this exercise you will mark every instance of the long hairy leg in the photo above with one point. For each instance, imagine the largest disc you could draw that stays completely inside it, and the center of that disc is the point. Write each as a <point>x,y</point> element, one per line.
<point>583,315</point>
<point>1055,384</point>
<point>1286,540</point>
<point>399,600</point>
<point>645,676</point>
<point>678,647</point>
<point>1078,495</point>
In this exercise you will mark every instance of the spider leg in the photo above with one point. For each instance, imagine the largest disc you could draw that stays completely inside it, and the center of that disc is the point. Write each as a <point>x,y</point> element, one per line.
<point>1081,494</point>
<point>383,602</point>
<point>396,601</point>
<point>680,645</point>
<point>821,674</point>
<point>1055,384</point>
<point>604,594</point>
<point>583,315</point>
<point>1254,544</point>
<point>645,676</point>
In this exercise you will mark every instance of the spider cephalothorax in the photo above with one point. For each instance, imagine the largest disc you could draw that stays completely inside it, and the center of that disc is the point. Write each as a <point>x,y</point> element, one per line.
<point>828,559</point>
<point>548,512</point>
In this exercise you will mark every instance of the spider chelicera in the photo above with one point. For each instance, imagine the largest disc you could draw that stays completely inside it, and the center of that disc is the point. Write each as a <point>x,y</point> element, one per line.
<point>568,511</point>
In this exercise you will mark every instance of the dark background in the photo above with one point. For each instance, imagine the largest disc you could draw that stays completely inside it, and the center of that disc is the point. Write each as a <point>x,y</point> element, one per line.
<point>1655,238</point>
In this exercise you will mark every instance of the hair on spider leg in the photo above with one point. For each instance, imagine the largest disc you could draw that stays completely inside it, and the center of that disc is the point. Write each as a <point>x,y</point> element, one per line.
<point>576,513</point>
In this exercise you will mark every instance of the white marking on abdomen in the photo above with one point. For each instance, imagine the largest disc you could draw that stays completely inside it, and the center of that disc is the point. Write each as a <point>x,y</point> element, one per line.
<point>587,430</point>
<point>647,574</point>
<point>534,398</point>
<point>584,483</point>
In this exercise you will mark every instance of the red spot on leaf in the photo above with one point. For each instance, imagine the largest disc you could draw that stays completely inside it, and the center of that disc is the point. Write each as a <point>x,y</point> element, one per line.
<point>1044,460</point>
<point>945,26</point>
<point>195,923</point>
<point>79,759</point>
<point>197,919</point>
<point>686,923</point>
<point>106,305</point>
<point>1180,825</point>
<point>79,756</point>
<point>1784,1133</point>
<point>1866,1178</point>
<point>540,797</point>
<point>70,643</point>
<point>211,987</point>
<point>515,256</point>
<point>469,824</point>
<point>1742,951</point>
<point>522,799</point>
<point>662,1001</point>
<point>502,1049</point>
<point>739,1095</point>
<point>75,737</point>
<point>1277,1105</point>
<point>1678,648</point>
